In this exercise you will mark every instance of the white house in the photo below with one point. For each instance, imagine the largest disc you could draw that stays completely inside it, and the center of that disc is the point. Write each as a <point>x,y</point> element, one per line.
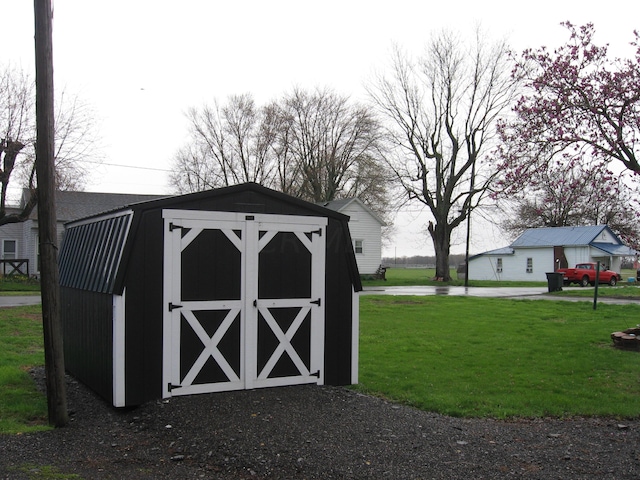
<point>365,227</point>
<point>541,250</point>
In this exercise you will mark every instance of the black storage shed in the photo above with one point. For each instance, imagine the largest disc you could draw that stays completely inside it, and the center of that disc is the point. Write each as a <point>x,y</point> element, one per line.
<point>235,288</point>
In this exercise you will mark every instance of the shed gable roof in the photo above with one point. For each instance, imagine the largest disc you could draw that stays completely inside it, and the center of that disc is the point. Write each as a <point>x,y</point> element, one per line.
<point>92,233</point>
<point>219,194</point>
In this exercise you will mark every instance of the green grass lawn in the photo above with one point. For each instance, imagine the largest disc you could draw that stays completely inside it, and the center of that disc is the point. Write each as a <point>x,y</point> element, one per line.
<point>19,285</point>
<point>478,357</point>
<point>22,407</point>
<point>462,356</point>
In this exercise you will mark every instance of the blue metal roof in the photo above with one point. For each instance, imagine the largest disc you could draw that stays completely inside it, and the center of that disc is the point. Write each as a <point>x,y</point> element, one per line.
<point>617,250</point>
<point>566,236</point>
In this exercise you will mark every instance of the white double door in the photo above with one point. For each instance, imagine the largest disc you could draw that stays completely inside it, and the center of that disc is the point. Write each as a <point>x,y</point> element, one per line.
<point>244,301</point>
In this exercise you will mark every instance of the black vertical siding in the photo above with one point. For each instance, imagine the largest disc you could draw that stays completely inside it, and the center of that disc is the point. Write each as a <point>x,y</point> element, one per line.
<point>144,311</point>
<point>87,322</point>
<point>338,311</point>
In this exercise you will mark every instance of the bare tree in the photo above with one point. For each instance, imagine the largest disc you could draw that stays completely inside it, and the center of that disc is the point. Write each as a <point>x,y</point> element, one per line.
<point>17,104</point>
<point>442,111</point>
<point>9,150</point>
<point>74,135</point>
<point>317,145</point>
<point>227,147</point>
<point>334,145</point>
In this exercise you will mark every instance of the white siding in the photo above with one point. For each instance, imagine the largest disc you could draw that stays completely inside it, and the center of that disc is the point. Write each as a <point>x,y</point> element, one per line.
<point>484,267</point>
<point>13,231</point>
<point>363,226</point>
<point>577,255</point>
<point>606,237</point>
<point>514,267</point>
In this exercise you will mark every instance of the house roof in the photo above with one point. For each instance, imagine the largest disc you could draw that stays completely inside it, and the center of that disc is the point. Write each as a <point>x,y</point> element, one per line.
<point>74,205</point>
<point>616,250</point>
<point>497,251</point>
<point>566,236</point>
<point>341,204</point>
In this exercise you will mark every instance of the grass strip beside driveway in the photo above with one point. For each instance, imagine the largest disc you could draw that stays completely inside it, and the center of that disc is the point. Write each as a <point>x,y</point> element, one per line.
<point>22,407</point>
<point>479,357</point>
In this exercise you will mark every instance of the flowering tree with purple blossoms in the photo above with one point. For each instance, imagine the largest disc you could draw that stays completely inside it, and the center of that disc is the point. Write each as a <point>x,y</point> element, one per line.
<point>575,194</point>
<point>580,111</point>
<point>579,104</point>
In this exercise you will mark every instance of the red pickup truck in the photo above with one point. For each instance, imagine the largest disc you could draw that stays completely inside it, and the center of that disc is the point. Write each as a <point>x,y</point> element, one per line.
<point>585,274</point>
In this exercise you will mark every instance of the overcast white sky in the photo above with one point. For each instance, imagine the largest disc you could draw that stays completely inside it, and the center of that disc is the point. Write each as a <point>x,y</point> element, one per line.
<point>141,63</point>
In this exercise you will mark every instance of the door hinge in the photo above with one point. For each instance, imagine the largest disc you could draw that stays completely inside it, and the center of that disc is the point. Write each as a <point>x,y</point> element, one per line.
<point>317,302</point>
<point>319,232</point>
<point>315,374</point>
<point>173,226</point>
<point>173,306</point>
<point>255,303</point>
<point>171,386</point>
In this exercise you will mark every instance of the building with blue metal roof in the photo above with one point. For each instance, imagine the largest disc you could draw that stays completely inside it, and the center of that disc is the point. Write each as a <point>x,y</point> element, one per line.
<point>541,250</point>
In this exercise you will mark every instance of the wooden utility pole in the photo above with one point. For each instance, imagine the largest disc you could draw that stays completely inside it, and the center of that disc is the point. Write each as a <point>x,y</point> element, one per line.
<point>47,228</point>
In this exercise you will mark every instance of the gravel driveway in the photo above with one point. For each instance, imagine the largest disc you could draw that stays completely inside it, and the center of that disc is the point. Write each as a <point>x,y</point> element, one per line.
<point>312,432</point>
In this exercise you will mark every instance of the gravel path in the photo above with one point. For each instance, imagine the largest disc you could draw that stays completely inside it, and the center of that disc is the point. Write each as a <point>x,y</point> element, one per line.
<point>312,432</point>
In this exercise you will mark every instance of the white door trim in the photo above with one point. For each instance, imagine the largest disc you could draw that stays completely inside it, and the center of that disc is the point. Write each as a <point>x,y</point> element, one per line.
<point>249,244</point>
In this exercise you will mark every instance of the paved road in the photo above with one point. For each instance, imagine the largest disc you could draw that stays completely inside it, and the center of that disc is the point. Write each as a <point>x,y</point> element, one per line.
<point>18,301</point>
<point>457,291</point>
<point>535,293</point>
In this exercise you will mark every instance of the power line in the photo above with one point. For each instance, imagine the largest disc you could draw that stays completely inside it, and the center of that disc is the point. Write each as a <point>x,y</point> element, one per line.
<point>127,166</point>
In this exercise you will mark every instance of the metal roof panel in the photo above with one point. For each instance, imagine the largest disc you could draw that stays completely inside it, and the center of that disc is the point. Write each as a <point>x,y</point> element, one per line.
<point>551,236</point>
<point>91,253</point>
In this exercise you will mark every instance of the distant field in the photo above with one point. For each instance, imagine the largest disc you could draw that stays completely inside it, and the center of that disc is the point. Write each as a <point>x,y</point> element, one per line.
<point>424,276</point>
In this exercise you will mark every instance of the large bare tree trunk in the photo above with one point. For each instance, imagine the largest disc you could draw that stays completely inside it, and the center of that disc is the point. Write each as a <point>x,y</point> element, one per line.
<point>441,236</point>
<point>53,351</point>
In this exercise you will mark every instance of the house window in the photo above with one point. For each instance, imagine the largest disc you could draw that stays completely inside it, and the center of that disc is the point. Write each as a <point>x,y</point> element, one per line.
<point>358,246</point>
<point>529,265</point>
<point>499,265</point>
<point>9,249</point>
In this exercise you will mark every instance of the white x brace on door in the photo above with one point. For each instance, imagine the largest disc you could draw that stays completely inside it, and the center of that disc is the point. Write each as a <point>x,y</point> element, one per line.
<point>244,301</point>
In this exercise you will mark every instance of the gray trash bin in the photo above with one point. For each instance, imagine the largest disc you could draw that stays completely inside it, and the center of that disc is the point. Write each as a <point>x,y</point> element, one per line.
<point>554,281</point>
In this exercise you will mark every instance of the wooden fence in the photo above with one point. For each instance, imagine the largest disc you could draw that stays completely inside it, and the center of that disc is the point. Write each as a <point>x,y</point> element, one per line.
<point>17,266</point>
